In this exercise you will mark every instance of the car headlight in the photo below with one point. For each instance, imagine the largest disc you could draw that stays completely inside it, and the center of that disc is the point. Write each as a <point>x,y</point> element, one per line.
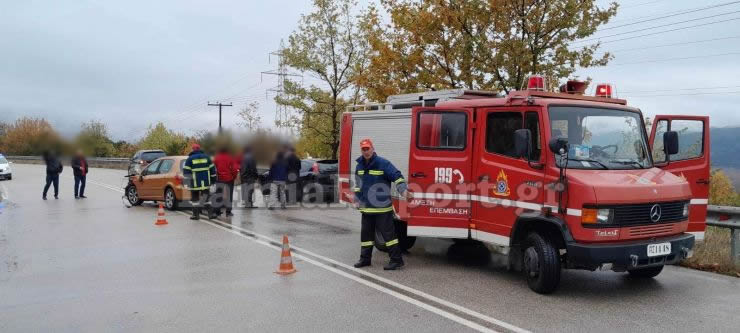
<point>686,210</point>
<point>596,215</point>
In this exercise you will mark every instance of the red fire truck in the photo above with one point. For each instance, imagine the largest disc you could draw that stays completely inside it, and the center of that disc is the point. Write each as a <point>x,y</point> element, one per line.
<point>553,179</point>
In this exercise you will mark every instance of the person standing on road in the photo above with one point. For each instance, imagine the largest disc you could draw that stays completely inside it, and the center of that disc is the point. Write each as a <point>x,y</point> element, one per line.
<point>80,168</point>
<point>249,176</point>
<point>227,171</point>
<point>278,175</point>
<point>294,173</point>
<point>53,169</point>
<point>373,178</point>
<point>200,172</point>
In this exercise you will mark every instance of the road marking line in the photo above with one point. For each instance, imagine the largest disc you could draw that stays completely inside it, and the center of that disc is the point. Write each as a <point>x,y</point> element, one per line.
<point>422,294</point>
<point>425,306</point>
<point>267,241</point>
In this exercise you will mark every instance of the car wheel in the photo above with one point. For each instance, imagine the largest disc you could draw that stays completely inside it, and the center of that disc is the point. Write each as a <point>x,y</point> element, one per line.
<point>541,264</point>
<point>170,200</point>
<point>133,196</point>
<point>646,273</point>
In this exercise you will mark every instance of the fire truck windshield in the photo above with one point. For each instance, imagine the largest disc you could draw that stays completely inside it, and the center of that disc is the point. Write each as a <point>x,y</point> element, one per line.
<point>600,138</point>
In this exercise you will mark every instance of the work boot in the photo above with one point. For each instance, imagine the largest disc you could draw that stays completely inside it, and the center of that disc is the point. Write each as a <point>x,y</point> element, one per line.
<point>393,265</point>
<point>362,263</point>
<point>195,217</point>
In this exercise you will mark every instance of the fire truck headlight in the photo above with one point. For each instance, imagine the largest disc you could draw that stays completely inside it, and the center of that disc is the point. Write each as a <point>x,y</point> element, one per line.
<point>596,216</point>
<point>686,210</point>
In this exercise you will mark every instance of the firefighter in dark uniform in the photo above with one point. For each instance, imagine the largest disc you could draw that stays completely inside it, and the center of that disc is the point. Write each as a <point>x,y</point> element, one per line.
<point>373,178</point>
<point>200,172</point>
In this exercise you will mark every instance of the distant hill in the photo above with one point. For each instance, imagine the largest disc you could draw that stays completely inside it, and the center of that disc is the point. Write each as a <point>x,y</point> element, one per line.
<point>725,147</point>
<point>726,151</point>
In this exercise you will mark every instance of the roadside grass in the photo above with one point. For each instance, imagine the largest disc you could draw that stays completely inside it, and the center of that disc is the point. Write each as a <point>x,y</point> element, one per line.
<point>714,253</point>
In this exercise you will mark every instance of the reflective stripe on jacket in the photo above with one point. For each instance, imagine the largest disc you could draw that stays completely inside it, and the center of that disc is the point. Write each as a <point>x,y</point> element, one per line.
<point>373,181</point>
<point>199,170</point>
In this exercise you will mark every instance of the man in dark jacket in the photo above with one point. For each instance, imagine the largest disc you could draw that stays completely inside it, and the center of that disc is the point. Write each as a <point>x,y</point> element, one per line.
<point>226,170</point>
<point>294,173</point>
<point>200,173</point>
<point>278,177</point>
<point>249,176</point>
<point>80,168</point>
<point>53,169</point>
<point>373,178</point>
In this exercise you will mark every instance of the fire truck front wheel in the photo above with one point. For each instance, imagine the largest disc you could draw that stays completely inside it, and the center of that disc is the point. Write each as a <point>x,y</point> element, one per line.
<point>541,263</point>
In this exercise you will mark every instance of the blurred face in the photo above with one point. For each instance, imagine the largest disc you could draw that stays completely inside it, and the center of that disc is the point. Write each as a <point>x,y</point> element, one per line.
<point>367,152</point>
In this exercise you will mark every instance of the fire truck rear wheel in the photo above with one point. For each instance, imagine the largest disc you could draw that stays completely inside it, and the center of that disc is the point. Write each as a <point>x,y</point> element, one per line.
<point>541,264</point>
<point>646,273</point>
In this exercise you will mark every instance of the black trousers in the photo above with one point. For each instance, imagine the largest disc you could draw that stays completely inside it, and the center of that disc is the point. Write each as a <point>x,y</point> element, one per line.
<point>52,179</point>
<point>199,198</point>
<point>80,185</point>
<point>222,198</point>
<point>384,223</point>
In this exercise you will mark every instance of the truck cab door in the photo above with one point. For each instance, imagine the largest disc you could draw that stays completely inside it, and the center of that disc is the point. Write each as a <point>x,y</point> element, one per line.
<point>440,166</point>
<point>691,163</point>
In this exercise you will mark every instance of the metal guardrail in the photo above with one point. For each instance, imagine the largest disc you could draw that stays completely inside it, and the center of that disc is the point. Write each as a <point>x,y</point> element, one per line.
<point>727,217</point>
<point>95,162</point>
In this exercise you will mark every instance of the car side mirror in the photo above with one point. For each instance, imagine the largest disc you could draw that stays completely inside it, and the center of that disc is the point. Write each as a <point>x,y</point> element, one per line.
<point>670,143</point>
<point>523,143</point>
<point>558,144</point>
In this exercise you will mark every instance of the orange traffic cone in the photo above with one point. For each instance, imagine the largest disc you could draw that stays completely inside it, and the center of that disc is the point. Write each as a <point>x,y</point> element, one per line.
<point>161,220</point>
<point>286,261</point>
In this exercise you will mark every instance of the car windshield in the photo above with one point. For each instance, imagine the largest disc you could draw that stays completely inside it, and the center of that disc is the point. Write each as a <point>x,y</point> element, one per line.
<point>600,138</point>
<point>3,160</point>
<point>152,155</point>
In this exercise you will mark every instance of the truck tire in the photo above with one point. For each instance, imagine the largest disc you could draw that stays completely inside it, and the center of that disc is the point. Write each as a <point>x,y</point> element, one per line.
<point>646,273</point>
<point>541,264</point>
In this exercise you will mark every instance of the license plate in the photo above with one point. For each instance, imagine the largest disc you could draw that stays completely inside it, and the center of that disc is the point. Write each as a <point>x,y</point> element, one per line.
<point>658,249</point>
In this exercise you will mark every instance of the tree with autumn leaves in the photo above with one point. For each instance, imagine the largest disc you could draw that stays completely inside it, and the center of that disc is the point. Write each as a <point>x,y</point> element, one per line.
<point>404,46</point>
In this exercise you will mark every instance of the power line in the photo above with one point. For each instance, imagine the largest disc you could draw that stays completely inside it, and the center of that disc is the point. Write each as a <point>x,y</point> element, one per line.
<point>691,94</point>
<point>664,31</point>
<point>683,89</point>
<point>673,59</point>
<point>674,44</point>
<point>694,10</point>
<point>642,4</point>
<point>658,26</point>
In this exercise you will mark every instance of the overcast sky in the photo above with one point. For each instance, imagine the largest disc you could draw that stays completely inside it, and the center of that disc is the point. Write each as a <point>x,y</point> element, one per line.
<point>132,63</point>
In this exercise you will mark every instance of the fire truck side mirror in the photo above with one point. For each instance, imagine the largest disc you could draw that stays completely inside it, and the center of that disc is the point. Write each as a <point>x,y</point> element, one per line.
<point>556,144</point>
<point>670,142</point>
<point>523,143</point>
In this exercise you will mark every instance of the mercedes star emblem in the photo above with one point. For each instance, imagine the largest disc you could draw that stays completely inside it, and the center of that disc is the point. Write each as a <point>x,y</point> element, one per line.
<point>655,213</point>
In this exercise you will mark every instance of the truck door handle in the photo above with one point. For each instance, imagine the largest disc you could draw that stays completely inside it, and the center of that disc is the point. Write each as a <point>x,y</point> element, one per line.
<point>483,178</point>
<point>418,175</point>
<point>703,181</point>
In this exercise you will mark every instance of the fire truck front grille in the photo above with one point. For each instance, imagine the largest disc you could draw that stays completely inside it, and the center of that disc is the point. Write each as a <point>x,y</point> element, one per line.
<point>650,230</point>
<point>640,213</point>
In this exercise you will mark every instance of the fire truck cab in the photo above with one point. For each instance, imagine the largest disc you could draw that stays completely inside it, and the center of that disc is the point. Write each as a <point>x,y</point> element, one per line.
<point>553,179</point>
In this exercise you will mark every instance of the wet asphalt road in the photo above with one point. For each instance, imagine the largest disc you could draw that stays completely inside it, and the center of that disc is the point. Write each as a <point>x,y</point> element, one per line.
<point>84,265</point>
